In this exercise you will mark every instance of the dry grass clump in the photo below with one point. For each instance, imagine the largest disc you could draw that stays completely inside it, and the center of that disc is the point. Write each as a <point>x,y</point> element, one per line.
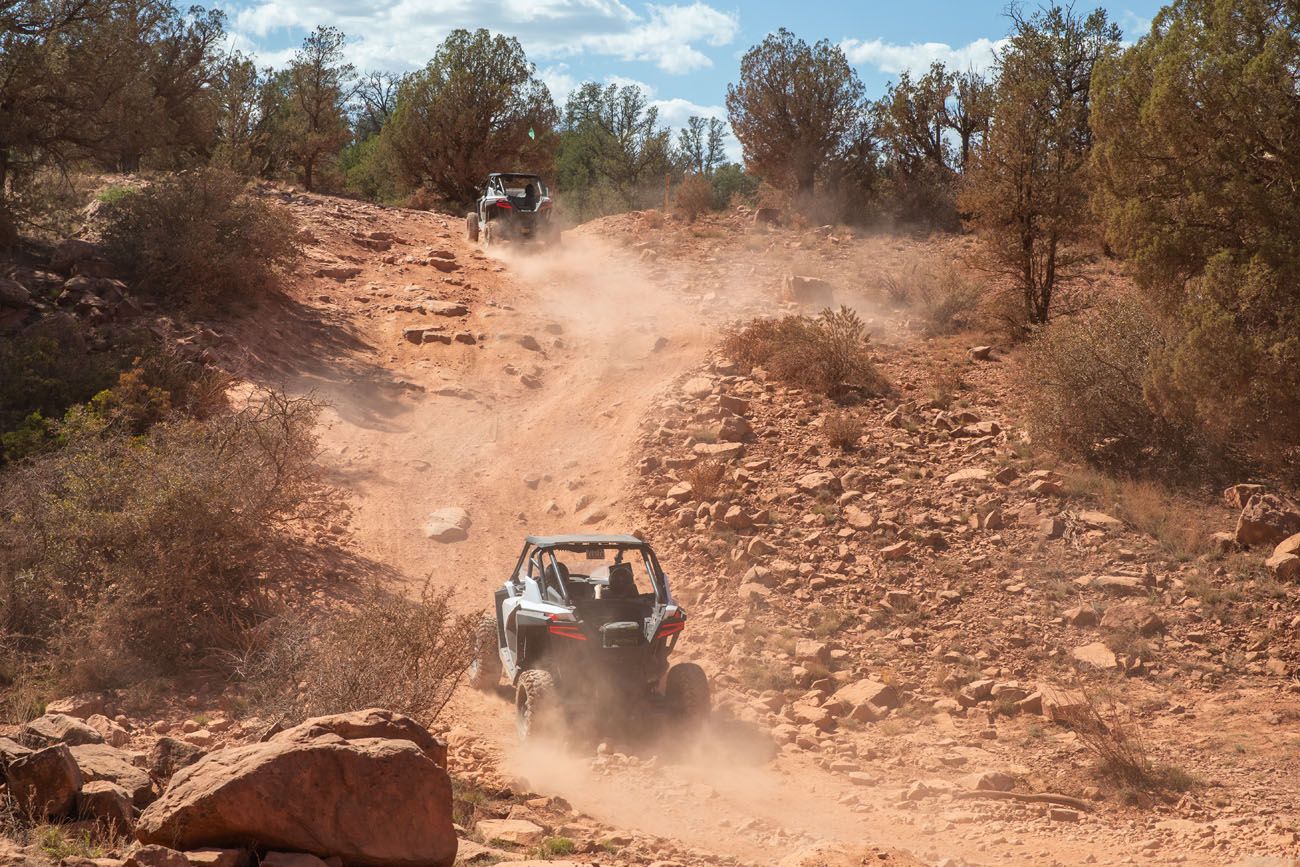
<point>944,300</point>
<point>56,844</point>
<point>1114,738</point>
<point>386,651</point>
<point>200,237</point>
<point>827,354</point>
<point>707,478</point>
<point>843,430</point>
<point>1181,526</point>
<point>125,554</point>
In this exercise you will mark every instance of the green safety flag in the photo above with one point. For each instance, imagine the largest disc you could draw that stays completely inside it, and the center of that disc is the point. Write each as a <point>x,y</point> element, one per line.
<point>532,135</point>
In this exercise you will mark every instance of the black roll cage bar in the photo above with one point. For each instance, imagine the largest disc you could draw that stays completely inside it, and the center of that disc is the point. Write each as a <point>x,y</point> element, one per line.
<point>657,577</point>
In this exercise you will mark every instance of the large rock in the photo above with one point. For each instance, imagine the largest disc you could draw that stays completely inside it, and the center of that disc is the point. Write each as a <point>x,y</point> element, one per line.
<point>156,856</point>
<point>372,802</point>
<point>102,762</point>
<point>290,859</point>
<point>58,728</point>
<point>1267,519</point>
<point>13,294</point>
<point>1285,560</point>
<point>169,755</point>
<point>45,782</point>
<point>217,857</point>
<point>1132,617</point>
<point>818,483</point>
<point>1095,654</point>
<point>517,832</point>
<point>82,706</point>
<point>448,525</point>
<point>70,252</point>
<point>107,804</point>
<point>1238,496</point>
<point>1057,704</point>
<point>10,750</point>
<point>867,698</point>
<point>370,723</point>
<point>812,291</point>
<point>112,733</point>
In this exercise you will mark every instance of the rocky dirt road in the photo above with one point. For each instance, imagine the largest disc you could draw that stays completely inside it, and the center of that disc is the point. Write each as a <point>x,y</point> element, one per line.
<point>523,389</point>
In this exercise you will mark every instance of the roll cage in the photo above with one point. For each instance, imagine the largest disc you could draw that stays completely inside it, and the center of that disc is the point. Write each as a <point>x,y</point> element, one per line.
<point>537,561</point>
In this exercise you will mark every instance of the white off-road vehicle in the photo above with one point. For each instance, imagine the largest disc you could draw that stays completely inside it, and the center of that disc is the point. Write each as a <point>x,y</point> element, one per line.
<point>514,207</point>
<point>583,629</point>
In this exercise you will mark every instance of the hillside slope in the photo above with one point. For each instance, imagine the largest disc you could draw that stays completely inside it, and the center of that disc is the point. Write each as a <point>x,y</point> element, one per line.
<point>889,629</point>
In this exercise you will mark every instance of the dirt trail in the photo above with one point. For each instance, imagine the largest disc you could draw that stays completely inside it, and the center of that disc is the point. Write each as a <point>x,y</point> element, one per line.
<point>507,427</point>
<point>539,412</point>
<point>529,425</point>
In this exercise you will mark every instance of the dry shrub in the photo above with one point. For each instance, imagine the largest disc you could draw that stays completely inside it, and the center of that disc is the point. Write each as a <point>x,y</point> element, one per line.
<point>1086,380</point>
<point>828,354</point>
<point>944,300</point>
<point>199,236</point>
<point>386,651</point>
<point>843,430</point>
<point>707,478</point>
<point>1114,737</point>
<point>127,556</point>
<point>694,197</point>
<point>421,199</point>
<point>946,382</point>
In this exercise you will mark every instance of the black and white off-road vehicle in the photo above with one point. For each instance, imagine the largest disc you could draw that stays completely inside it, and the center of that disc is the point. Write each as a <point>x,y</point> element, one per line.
<point>513,207</point>
<point>583,629</point>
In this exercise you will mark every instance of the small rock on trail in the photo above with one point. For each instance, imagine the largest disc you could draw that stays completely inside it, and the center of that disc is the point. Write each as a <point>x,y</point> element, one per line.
<point>450,524</point>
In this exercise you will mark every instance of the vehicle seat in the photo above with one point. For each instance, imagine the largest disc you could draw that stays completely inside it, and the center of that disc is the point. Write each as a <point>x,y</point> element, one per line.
<point>557,575</point>
<point>579,590</point>
<point>530,196</point>
<point>622,584</point>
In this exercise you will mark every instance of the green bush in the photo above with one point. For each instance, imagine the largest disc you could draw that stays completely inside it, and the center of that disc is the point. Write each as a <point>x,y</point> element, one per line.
<point>51,386</point>
<point>47,369</point>
<point>125,556</point>
<point>827,354</point>
<point>200,237</point>
<point>1193,186</point>
<point>368,171</point>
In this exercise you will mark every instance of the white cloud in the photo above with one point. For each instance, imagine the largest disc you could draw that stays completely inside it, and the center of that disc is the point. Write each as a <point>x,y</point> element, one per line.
<point>1134,26</point>
<point>667,37</point>
<point>559,81</point>
<point>916,57</point>
<point>402,34</point>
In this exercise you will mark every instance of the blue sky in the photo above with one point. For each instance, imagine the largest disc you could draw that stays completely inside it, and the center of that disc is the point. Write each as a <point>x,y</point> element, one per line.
<point>683,53</point>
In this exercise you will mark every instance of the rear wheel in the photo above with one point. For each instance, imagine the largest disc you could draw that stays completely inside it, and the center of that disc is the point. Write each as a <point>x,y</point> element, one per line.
<point>490,233</point>
<point>687,691</point>
<point>485,666</point>
<point>537,711</point>
<point>471,226</point>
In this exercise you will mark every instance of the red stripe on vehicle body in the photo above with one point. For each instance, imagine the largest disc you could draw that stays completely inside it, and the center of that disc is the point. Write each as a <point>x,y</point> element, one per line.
<point>566,632</point>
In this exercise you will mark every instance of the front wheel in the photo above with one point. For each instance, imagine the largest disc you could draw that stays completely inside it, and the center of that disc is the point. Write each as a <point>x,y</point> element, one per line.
<point>687,692</point>
<point>485,665</point>
<point>471,227</point>
<point>537,710</point>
